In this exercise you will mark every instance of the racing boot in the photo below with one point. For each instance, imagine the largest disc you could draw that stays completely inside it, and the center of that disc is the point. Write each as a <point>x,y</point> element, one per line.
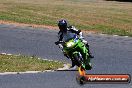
<point>90,54</point>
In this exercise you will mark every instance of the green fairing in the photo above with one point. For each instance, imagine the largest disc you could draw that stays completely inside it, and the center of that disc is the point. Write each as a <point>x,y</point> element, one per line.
<point>76,46</point>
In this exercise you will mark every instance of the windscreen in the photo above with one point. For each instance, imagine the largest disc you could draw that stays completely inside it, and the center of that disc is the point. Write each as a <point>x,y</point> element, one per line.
<point>69,36</point>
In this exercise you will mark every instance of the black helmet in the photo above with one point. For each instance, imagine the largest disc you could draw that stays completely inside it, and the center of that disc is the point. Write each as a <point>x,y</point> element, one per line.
<point>62,23</point>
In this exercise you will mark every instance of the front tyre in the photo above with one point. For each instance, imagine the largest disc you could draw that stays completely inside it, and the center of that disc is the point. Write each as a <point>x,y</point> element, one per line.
<point>77,59</point>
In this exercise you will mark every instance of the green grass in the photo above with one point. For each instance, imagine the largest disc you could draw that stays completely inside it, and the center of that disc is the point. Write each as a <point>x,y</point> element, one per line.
<point>13,63</point>
<point>96,15</point>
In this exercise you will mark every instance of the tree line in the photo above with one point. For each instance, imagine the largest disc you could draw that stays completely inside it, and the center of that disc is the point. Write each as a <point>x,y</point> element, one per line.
<point>121,0</point>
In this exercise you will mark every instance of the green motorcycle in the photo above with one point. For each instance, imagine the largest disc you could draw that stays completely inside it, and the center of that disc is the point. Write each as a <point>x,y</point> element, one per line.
<point>77,51</point>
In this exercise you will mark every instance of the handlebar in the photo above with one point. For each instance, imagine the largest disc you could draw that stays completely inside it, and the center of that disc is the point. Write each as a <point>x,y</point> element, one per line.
<point>59,42</point>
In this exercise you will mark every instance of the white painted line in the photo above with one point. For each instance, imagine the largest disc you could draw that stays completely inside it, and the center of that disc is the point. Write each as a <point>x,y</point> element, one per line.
<point>13,73</point>
<point>9,54</point>
<point>115,35</point>
<point>29,72</point>
<point>49,71</point>
<point>7,73</point>
<point>126,36</point>
<point>3,53</point>
<point>66,67</point>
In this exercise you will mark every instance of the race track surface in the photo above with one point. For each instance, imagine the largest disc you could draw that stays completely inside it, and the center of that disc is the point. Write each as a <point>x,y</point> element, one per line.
<point>113,55</point>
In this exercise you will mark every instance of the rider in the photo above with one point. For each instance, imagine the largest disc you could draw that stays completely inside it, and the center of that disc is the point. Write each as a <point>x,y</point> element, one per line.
<point>64,28</point>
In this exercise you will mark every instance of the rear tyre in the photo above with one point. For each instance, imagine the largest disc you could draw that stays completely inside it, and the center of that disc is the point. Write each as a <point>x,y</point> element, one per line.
<point>88,66</point>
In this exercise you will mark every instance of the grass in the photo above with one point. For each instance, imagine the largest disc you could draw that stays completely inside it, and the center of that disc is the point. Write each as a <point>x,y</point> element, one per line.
<point>97,15</point>
<point>13,63</point>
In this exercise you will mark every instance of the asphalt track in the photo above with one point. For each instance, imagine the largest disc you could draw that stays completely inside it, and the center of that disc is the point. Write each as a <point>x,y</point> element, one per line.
<point>113,55</point>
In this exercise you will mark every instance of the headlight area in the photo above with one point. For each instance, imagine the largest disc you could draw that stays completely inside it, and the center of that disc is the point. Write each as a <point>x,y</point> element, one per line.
<point>70,44</point>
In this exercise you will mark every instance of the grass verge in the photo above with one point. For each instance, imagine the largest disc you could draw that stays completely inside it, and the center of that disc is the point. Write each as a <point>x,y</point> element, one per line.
<point>14,63</point>
<point>108,17</point>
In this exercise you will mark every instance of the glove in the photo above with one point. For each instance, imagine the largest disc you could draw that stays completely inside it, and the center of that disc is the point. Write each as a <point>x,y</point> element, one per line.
<point>60,46</point>
<point>57,42</point>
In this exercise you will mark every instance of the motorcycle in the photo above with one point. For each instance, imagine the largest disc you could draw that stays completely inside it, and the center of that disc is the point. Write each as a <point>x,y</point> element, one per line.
<point>77,51</point>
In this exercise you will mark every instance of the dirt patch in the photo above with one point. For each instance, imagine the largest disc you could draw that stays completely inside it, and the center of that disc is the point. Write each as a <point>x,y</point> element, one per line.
<point>29,25</point>
<point>40,26</point>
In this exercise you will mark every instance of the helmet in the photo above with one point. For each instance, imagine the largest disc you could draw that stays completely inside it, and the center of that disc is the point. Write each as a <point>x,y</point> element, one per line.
<point>62,24</point>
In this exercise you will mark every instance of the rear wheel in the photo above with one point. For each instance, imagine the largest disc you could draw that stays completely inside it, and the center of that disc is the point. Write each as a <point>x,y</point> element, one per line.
<point>88,66</point>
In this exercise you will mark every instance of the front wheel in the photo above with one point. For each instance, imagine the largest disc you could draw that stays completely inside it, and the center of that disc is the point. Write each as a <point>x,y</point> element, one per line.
<point>77,59</point>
